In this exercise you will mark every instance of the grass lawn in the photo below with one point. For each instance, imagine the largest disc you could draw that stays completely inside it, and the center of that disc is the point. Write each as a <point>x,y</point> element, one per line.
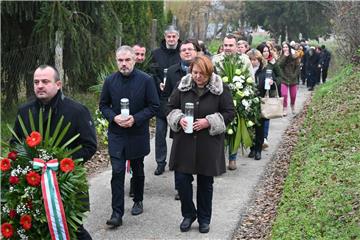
<point>321,198</point>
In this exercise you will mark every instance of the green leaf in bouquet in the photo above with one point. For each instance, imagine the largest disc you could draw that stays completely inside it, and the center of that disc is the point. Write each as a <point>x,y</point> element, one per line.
<point>77,148</point>
<point>238,139</point>
<point>41,130</point>
<point>62,134</point>
<point>23,128</point>
<point>56,132</point>
<point>76,219</point>
<point>5,146</point>
<point>47,131</point>
<point>31,119</point>
<point>70,141</point>
<point>246,138</point>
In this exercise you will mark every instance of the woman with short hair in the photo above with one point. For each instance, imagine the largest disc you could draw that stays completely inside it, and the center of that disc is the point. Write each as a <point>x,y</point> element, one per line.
<point>202,151</point>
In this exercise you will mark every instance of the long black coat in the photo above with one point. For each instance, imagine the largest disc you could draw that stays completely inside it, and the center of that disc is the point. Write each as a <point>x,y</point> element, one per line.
<point>139,88</point>
<point>162,58</point>
<point>75,113</point>
<point>201,152</point>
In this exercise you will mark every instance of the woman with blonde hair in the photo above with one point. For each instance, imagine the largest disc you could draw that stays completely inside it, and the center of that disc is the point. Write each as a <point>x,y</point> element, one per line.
<point>260,66</point>
<point>199,151</point>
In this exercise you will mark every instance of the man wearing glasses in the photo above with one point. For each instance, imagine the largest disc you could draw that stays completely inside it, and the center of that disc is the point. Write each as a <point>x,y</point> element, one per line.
<point>188,51</point>
<point>162,58</point>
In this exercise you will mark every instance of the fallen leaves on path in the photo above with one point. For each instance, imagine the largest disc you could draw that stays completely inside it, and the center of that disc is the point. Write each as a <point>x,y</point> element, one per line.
<point>257,220</point>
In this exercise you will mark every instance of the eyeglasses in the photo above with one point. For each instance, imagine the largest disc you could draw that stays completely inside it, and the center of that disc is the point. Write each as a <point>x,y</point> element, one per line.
<point>187,49</point>
<point>140,54</point>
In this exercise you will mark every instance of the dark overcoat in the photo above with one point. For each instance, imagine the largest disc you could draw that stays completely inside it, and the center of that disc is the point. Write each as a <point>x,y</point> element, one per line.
<point>75,113</point>
<point>162,58</point>
<point>201,152</point>
<point>139,88</point>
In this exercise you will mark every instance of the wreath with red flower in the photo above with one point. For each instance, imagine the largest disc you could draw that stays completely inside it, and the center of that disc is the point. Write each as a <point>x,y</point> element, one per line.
<point>23,211</point>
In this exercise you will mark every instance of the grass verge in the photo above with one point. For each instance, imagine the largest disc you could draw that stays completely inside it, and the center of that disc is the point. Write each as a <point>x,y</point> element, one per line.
<point>321,198</point>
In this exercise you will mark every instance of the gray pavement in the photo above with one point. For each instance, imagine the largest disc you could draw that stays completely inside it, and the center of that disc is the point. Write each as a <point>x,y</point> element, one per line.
<point>162,216</point>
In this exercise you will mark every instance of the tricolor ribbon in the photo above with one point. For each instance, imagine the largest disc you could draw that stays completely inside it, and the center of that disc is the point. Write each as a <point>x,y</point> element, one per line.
<point>54,209</point>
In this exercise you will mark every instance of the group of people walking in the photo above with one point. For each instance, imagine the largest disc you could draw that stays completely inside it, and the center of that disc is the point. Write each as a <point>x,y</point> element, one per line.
<point>181,72</point>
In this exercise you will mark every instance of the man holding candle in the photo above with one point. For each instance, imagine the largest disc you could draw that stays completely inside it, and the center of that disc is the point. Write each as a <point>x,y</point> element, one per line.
<point>128,134</point>
<point>162,58</point>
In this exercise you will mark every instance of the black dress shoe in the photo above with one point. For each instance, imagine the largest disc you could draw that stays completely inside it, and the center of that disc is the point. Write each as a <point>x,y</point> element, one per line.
<point>137,208</point>
<point>251,154</point>
<point>159,170</point>
<point>204,227</point>
<point>115,220</point>
<point>257,155</point>
<point>82,233</point>
<point>186,224</point>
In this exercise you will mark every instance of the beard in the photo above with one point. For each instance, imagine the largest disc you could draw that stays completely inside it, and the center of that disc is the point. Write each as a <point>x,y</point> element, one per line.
<point>126,71</point>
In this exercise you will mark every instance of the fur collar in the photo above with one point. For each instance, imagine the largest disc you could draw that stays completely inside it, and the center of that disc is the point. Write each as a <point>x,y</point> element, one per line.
<point>215,84</point>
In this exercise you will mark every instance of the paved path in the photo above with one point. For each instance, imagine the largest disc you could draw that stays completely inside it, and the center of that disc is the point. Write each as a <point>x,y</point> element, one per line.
<point>162,216</point>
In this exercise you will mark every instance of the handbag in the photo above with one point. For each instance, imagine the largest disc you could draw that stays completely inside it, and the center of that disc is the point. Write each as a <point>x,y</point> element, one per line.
<point>272,107</point>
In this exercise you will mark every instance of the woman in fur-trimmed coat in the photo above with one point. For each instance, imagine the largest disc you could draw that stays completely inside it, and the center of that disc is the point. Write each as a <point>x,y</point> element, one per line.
<point>201,152</point>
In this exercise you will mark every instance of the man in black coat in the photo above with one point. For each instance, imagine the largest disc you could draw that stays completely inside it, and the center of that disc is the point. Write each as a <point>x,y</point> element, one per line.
<point>312,66</point>
<point>129,136</point>
<point>47,88</point>
<point>162,58</point>
<point>325,57</point>
<point>188,52</point>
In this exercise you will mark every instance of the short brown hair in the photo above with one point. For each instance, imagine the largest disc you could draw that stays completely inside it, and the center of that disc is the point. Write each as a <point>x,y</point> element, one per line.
<point>204,63</point>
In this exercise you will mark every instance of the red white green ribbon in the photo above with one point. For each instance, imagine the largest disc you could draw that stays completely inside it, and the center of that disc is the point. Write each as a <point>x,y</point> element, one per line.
<point>54,209</point>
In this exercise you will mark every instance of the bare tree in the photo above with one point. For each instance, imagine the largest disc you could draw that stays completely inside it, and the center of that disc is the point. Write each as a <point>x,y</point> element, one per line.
<point>195,16</point>
<point>346,21</point>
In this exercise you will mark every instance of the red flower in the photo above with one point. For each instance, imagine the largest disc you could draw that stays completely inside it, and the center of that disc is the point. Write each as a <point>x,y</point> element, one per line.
<point>33,178</point>
<point>7,230</point>
<point>67,165</point>
<point>25,221</point>
<point>34,139</point>
<point>12,155</point>
<point>13,180</point>
<point>12,213</point>
<point>5,164</point>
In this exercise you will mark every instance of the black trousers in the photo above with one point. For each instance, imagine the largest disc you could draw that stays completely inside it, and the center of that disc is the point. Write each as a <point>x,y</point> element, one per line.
<point>117,182</point>
<point>259,136</point>
<point>324,74</point>
<point>204,196</point>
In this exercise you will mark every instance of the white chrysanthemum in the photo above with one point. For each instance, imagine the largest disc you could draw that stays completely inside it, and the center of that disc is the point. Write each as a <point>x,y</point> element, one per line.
<point>245,103</point>
<point>249,123</point>
<point>246,92</point>
<point>238,85</point>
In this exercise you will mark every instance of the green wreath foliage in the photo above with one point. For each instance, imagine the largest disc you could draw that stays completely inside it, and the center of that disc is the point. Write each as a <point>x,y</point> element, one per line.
<point>19,199</point>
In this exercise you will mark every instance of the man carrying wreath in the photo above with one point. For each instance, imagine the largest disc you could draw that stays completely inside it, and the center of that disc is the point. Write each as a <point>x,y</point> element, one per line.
<point>47,88</point>
<point>230,48</point>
